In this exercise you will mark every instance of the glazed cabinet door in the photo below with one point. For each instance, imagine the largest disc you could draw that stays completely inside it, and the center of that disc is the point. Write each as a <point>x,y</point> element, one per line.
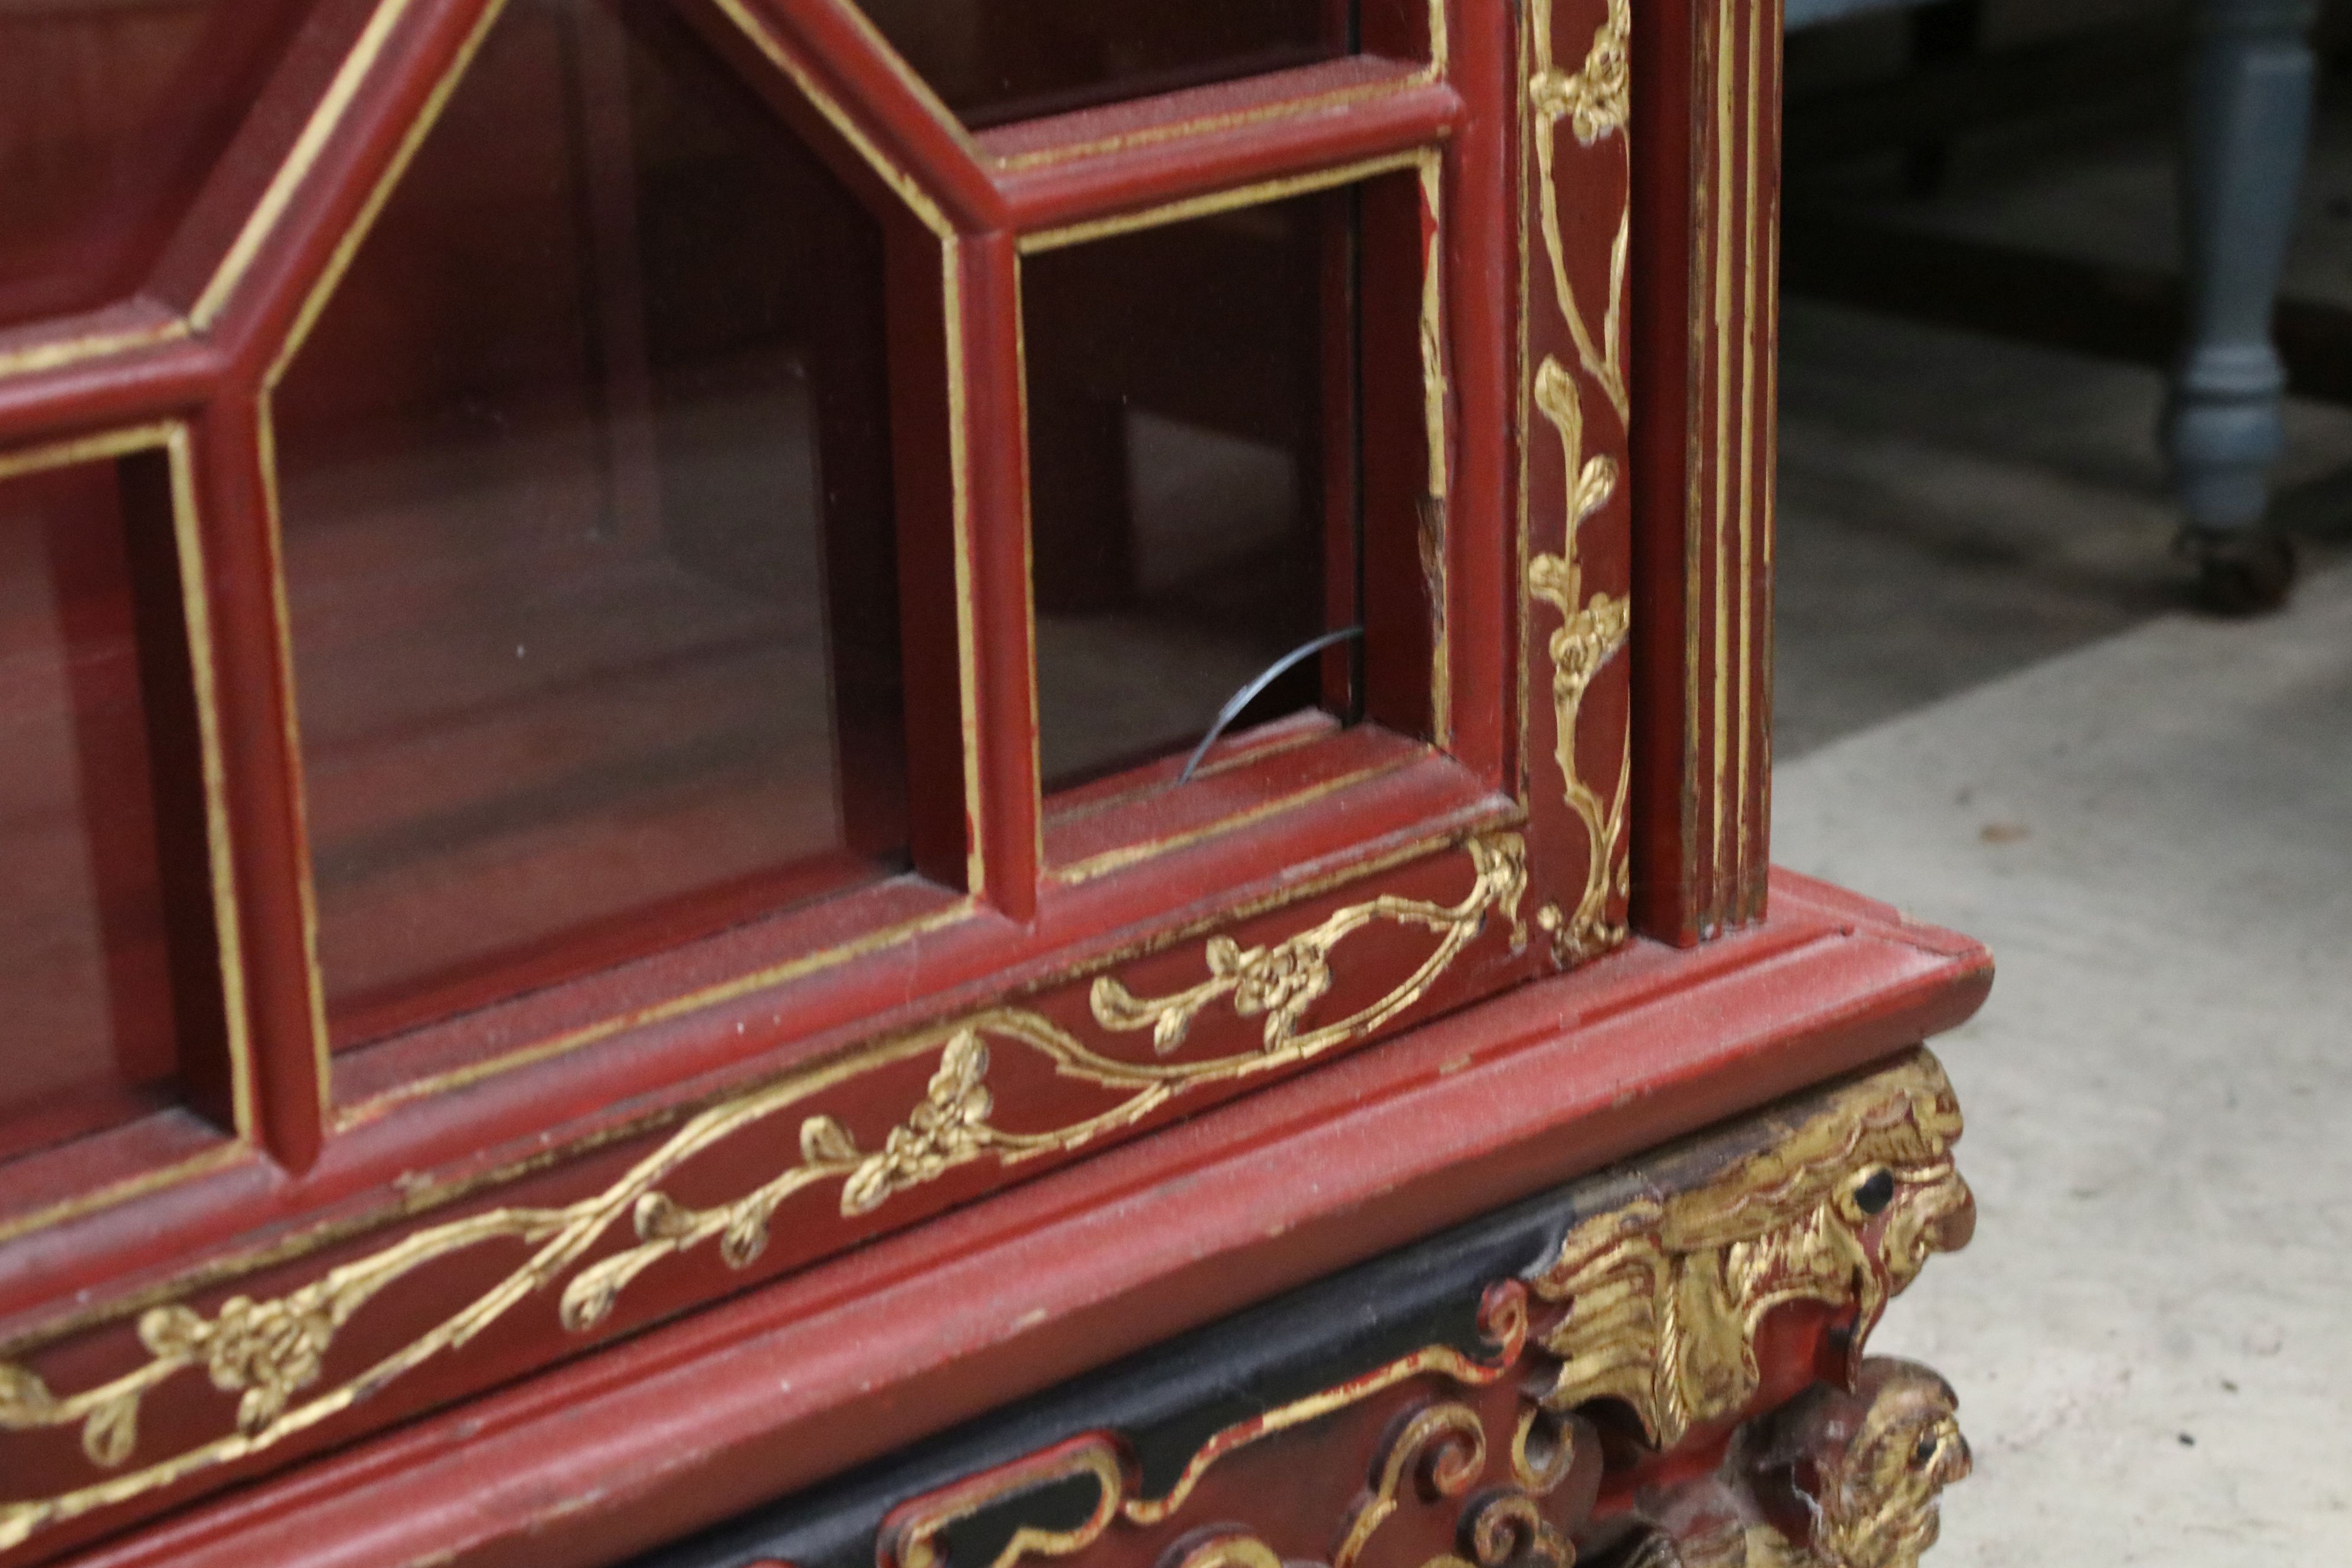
<point>641,641</point>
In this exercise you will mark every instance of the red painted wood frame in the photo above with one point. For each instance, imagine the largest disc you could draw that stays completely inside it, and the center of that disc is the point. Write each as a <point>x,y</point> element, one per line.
<point>1491,143</point>
<point>202,347</point>
<point>1706,228</point>
<point>780,1388</point>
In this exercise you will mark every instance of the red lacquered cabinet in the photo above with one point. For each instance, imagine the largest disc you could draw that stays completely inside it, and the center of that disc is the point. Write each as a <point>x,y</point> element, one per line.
<point>924,782</point>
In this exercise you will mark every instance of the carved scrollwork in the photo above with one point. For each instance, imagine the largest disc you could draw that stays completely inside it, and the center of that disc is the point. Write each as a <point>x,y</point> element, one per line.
<point>912,1536</point>
<point>1439,1450</point>
<point>1657,1302</point>
<point>1836,1479</point>
<point>1667,1295</point>
<point>1223,1549</point>
<point>1509,1529</point>
<point>274,1353</point>
<point>1851,1477</point>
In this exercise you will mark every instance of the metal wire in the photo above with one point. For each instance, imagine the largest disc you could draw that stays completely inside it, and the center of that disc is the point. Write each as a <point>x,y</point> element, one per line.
<point>1248,693</point>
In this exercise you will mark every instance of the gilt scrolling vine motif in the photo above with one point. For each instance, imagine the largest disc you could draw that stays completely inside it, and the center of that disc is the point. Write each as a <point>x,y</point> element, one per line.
<point>1653,1300</point>
<point>1590,633</point>
<point>1593,101</point>
<point>272,1353</point>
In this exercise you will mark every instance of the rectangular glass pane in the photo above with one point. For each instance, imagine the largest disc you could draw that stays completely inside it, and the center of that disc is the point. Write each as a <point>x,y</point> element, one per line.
<point>1192,444</point>
<point>589,533</point>
<point>89,1029</point>
<point>998,60</point>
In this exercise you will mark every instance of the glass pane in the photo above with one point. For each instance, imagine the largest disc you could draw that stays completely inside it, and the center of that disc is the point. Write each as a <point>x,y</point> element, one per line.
<point>586,493</point>
<point>997,60</point>
<point>111,114</point>
<point>1191,463</point>
<point>88,1036</point>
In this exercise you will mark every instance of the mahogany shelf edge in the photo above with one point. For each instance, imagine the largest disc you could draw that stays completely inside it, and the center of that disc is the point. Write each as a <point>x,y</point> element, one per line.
<point>781,1386</point>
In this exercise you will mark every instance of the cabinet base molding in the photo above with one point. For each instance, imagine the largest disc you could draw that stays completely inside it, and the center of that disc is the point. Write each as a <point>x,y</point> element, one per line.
<point>1675,1375</point>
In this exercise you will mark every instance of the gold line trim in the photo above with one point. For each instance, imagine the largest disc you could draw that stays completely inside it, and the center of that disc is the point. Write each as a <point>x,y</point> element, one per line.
<point>1037,802</point>
<point>1205,125</point>
<point>314,304</point>
<point>1109,860</point>
<point>903,185</point>
<point>1503,1323</point>
<point>377,1105</point>
<point>975,796</point>
<point>1435,395</point>
<point>1501,822</point>
<point>1219,201</point>
<point>231,1152</point>
<point>1060,813</point>
<point>41,356</point>
<point>90,448</point>
<point>188,528</point>
<point>878,47</point>
<point>912,1541</point>
<point>1747,632</point>
<point>324,121</point>
<point>1718,522</point>
<point>174,440</point>
<point>269,1352</point>
<point>412,138</point>
<point>305,895</point>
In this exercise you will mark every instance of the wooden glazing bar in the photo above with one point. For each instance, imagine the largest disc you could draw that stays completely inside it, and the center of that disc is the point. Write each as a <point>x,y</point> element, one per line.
<point>1471,420</point>
<point>1074,168</point>
<point>927,492</point>
<point>1002,730</point>
<point>262,782</point>
<point>835,56</point>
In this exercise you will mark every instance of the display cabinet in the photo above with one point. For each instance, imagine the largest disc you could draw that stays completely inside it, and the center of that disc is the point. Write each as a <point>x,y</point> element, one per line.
<point>939,780</point>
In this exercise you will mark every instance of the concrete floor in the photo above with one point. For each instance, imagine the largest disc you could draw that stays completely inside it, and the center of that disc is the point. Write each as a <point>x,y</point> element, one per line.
<point>1995,711</point>
<point>2151,1334</point>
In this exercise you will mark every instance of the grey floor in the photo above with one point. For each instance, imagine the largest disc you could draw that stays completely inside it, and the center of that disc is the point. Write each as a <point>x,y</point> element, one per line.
<point>1995,711</point>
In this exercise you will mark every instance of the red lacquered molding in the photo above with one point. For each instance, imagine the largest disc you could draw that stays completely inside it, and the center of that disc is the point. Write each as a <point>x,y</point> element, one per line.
<point>698,1420</point>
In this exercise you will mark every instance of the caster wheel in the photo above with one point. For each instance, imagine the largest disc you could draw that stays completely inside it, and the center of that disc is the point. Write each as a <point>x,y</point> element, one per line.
<point>2247,574</point>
